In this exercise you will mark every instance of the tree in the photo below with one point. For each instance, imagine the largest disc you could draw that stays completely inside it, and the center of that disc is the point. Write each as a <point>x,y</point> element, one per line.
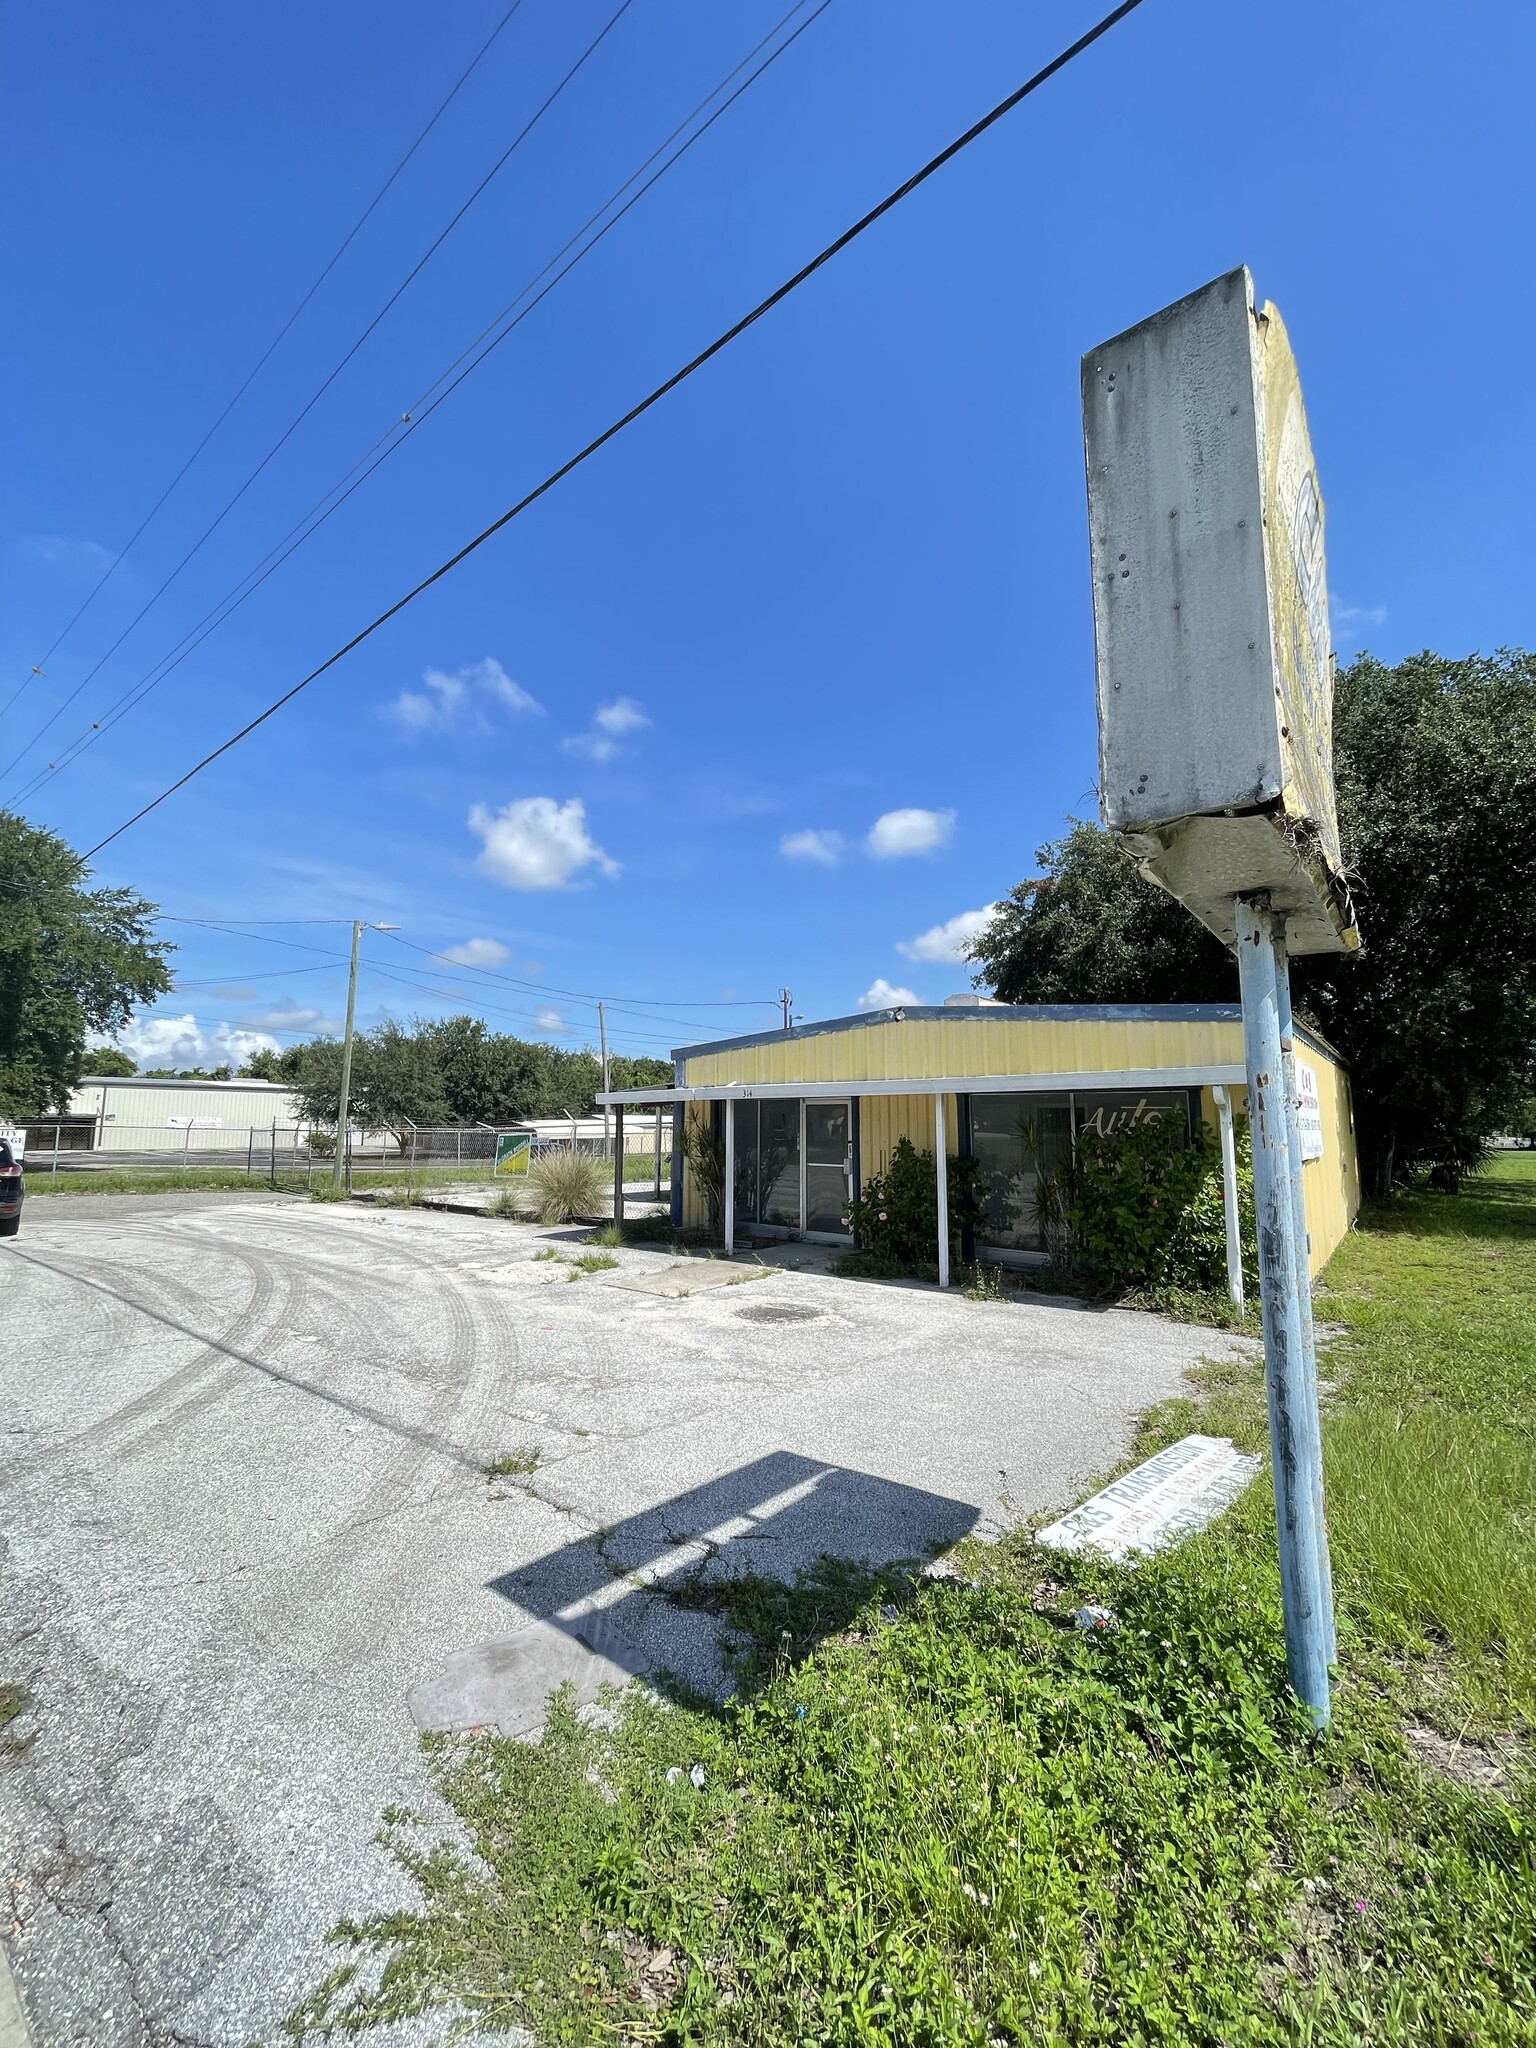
<point>74,963</point>
<point>110,1062</point>
<point>1088,929</point>
<point>1436,769</point>
<point>266,1065</point>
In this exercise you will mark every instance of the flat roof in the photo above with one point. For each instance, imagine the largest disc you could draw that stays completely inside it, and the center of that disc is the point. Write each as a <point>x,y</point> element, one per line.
<point>1137,1080</point>
<point>164,1081</point>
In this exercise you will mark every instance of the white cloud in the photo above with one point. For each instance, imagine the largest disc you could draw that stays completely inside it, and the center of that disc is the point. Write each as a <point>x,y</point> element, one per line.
<point>1367,614</point>
<point>610,723</point>
<point>549,1020</point>
<point>897,834</point>
<point>297,1017</point>
<point>622,715</point>
<point>949,940</point>
<point>535,843</point>
<point>477,953</point>
<point>182,1042</point>
<point>76,557</point>
<point>823,847</point>
<point>446,701</point>
<point>881,996</point>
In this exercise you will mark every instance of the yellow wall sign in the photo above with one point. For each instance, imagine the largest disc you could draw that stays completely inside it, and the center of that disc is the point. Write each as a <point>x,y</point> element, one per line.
<point>514,1150</point>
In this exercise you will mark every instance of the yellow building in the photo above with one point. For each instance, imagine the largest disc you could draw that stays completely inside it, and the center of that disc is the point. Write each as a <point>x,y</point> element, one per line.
<point>807,1115</point>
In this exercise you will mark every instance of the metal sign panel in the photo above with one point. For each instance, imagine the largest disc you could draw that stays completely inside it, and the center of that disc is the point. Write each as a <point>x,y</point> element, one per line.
<point>1164,1498</point>
<point>14,1136</point>
<point>1215,671</point>
<point>514,1150</point>
<point>1309,1111</point>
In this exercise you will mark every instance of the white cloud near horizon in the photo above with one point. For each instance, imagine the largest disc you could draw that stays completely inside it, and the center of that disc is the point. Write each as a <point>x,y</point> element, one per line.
<point>610,723</point>
<point>896,835</point>
<point>477,953</point>
<point>948,941</point>
<point>880,995</point>
<point>535,843</point>
<point>825,848</point>
<point>445,701</point>
<point>182,1042</point>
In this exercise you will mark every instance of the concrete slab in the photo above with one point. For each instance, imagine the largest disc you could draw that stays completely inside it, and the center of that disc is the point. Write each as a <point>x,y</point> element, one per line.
<point>246,1526</point>
<point>691,1276</point>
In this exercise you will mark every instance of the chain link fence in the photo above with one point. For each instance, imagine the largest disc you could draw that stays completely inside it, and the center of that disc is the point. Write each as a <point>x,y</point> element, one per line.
<point>203,1151</point>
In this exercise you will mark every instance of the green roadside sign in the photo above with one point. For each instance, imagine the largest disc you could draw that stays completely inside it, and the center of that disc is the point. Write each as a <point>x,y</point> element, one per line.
<point>514,1150</point>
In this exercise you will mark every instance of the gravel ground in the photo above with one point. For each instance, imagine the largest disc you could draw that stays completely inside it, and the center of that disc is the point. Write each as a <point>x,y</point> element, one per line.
<point>246,1518</point>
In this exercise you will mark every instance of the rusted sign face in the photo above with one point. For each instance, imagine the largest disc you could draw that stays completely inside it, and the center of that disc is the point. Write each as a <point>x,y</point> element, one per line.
<point>1215,669</point>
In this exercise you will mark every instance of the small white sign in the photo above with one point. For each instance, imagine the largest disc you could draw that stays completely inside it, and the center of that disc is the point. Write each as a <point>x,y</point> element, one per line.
<point>1309,1111</point>
<point>1166,1497</point>
<point>16,1138</point>
<point>194,1123</point>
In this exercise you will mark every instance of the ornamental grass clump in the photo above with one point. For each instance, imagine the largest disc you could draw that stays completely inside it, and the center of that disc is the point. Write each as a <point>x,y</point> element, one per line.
<point>569,1185</point>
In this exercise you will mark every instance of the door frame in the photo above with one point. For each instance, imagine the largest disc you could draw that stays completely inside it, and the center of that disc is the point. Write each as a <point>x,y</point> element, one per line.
<point>850,1166</point>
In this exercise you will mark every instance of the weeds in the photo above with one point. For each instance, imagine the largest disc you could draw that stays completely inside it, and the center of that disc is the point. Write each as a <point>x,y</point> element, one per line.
<point>594,1262</point>
<point>516,1464</point>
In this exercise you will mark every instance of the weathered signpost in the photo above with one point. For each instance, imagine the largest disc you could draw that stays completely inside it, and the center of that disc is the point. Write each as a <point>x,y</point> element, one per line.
<point>1215,697</point>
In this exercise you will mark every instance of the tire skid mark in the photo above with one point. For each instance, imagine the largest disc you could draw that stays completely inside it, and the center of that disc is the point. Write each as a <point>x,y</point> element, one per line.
<point>146,1407</point>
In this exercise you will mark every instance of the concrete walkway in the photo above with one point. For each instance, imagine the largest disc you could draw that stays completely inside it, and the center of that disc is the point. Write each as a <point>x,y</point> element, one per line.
<point>251,1543</point>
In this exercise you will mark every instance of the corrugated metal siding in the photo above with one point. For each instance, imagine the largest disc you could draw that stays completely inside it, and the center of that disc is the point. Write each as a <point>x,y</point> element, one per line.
<point>888,1050</point>
<point>884,1120</point>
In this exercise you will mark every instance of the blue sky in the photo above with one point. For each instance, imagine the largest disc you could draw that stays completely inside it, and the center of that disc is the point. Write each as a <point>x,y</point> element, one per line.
<point>796,675</point>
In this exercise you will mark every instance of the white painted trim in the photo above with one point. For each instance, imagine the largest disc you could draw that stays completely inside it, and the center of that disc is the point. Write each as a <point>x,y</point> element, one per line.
<point>941,1168</point>
<point>1119,1078</point>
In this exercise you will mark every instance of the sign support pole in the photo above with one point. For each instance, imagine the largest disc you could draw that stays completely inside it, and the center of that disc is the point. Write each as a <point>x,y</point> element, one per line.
<point>1303,1276</point>
<point>1293,1433</point>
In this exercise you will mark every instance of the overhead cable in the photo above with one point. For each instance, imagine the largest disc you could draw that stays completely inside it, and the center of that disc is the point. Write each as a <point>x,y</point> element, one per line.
<point>421,409</point>
<point>313,401</point>
<point>834,248</point>
<point>261,362</point>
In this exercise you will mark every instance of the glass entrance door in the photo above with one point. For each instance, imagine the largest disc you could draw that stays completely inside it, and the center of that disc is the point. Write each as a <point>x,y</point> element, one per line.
<point>828,1158</point>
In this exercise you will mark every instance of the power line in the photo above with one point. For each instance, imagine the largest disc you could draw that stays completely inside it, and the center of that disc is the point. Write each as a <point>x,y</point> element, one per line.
<point>421,410</point>
<point>877,212</point>
<point>313,401</point>
<point>346,242</point>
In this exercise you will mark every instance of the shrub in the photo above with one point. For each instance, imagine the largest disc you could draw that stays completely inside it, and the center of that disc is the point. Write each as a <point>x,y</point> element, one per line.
<point>896,1219</point>
<point>1145,1208</point>
<point>569,1184</point>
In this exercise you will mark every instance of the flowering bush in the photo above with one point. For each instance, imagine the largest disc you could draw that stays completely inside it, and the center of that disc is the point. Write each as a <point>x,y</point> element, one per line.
<point>896,1219</point>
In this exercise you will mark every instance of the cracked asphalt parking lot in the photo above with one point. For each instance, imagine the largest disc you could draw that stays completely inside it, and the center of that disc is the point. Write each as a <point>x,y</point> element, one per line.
<point>246,1517</point>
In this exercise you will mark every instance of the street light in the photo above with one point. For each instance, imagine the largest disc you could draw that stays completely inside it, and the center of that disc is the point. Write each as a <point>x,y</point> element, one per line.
<point>339,1177</point>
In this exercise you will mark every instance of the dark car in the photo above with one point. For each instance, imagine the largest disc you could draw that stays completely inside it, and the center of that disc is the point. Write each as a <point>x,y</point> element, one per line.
<point>13,1189</point>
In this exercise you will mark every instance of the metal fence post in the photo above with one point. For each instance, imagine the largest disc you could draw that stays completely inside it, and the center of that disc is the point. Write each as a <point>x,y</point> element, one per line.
<point>656,1162</point>
<point>1293,1438</point>
<point>1229,1209</point>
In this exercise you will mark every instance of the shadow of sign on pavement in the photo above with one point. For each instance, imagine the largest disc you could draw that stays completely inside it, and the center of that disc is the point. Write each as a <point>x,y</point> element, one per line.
<point>603,1610</point>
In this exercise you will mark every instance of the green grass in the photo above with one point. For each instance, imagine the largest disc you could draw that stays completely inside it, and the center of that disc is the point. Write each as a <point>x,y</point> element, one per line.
<point>593,1262</point>
<point>154,1180</point>
<point>940,1816</point>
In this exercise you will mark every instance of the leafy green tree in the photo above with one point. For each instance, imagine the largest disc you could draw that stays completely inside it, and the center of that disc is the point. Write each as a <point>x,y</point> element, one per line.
<point>75,963</point>
<point>1436,769</point>
<point>110,1062</point>
<point>1088,929</point>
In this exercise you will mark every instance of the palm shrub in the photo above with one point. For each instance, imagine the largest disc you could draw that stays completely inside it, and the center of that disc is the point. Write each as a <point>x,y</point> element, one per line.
<point>569,1184</point>
<point>705,1153</point>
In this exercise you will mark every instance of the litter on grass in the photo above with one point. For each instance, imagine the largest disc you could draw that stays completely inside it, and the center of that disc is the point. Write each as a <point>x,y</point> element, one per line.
<point>1166,1497</point>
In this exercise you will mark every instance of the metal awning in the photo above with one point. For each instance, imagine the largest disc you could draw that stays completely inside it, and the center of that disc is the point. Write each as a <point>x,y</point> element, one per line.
<point>1145,1079</point>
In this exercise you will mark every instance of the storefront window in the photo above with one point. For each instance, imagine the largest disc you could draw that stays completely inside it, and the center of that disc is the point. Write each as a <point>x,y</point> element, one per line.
<point>1015,1138</point>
